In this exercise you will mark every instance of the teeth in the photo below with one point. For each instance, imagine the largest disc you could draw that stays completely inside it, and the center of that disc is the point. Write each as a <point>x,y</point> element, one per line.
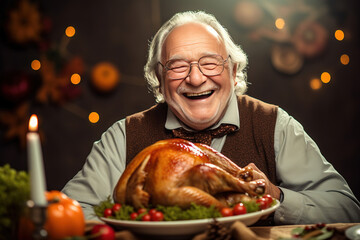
<point>198,94</point>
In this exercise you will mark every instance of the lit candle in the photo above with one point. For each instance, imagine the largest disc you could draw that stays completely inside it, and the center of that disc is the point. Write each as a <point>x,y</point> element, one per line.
<point>35,163</point>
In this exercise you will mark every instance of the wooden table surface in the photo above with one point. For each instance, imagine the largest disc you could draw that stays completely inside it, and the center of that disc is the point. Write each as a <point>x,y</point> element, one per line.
<point>276,232</point>
<point>241,232</point>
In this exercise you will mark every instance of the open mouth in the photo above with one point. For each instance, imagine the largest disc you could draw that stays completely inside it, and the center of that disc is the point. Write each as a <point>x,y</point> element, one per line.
<point>196,96</point>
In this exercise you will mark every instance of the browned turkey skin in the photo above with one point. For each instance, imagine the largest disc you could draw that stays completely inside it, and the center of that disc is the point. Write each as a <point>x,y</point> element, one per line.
<point>178,172</point>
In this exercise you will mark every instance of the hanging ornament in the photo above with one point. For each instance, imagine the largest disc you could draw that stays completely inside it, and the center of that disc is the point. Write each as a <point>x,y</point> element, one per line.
<point>286,59</point>
<point>105,77</point>
<point>74,66</point>
<point>310,38</point>
<point>16,123</point>
<point>15,86</point>
<point>24,23</point>
<point>56,86</point>
<point>248,14</point>
<point>49,90</point>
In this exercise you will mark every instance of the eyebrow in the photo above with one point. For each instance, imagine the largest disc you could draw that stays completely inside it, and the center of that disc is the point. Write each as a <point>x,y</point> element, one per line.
<point>180,57</point>
<point>176,57</point>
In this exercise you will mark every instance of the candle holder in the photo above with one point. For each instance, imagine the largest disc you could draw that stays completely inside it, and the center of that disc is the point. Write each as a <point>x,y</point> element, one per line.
<point>38,217</point>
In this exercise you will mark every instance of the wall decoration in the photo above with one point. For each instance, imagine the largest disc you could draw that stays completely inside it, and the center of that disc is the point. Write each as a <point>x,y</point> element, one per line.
<point>300,34</point>
<point>310,38</point>
<point>105,77</point>
<point>15,86</point>
<point>24,23</point>
<point>248,14</point>
<point>286,59</point>
<point>56,87</point>
<point>16,123</point>
<point>26,28</point>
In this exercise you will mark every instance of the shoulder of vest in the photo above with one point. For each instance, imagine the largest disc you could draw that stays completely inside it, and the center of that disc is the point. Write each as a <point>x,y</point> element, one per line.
<point>156,109</point>
<point>145,128</point>
<point>257,105</point>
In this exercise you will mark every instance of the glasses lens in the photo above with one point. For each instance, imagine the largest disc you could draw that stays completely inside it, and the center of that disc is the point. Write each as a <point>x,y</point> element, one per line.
<point>177,68</point>
<point>211,65</point>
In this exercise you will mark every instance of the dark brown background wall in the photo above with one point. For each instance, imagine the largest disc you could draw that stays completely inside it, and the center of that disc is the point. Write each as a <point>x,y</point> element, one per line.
<point>119,31</point>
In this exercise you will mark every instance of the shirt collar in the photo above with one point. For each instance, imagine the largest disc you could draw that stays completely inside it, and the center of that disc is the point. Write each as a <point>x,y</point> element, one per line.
<point>231,116</point>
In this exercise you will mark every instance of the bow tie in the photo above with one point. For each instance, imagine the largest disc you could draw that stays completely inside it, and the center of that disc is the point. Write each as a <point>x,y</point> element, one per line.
<point>204,136</point>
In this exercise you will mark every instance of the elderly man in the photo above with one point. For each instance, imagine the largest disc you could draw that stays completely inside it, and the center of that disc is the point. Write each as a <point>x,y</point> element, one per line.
<point>197,74</point>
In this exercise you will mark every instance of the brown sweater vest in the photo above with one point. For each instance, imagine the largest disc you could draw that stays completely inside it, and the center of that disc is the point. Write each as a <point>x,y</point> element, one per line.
<point>254,142</point>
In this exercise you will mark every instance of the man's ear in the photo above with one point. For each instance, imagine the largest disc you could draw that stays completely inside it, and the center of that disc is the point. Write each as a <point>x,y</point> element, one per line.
<point>234,70</point>
<point>159,77</point>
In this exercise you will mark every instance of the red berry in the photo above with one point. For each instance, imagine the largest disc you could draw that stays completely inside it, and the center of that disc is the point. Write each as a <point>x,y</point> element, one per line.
<point>116,207</point>
<point>108,212</point>
<point>146,218</point>
<point>320,225</point>
<point>141,210</point>
<point>226,212</point>
<point>134,215</point>
<point>105,231</point>
<point>263,203</point>
<point>268,198</point>
<point>239,209</point>
<point>152,211</point>
<point>157,216</point>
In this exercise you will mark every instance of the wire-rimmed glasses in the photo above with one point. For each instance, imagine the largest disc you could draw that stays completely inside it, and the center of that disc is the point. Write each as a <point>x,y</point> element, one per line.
<point>209,65</point>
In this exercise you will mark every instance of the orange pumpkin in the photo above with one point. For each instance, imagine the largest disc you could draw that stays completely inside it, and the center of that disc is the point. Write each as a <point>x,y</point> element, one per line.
<point>64,216</point>
<point>105,77</point>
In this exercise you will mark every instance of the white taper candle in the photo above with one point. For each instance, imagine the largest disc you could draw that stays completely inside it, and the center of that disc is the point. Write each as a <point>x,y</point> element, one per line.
<point>35,163</point>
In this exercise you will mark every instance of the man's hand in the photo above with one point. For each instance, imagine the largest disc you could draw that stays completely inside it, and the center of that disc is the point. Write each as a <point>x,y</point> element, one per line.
<point>270,188</point>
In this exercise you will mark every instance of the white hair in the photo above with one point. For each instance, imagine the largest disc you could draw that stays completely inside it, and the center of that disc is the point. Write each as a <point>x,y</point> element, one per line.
<point>237,55</point>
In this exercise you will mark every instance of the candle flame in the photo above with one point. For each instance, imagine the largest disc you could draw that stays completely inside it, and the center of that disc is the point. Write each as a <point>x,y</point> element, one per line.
<point>33,123</point>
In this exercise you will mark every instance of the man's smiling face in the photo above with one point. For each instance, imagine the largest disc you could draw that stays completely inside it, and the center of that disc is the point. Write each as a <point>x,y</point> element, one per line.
<point>198,101</point>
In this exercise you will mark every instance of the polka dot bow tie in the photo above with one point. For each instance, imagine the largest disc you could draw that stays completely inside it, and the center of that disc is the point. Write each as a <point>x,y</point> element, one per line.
<point>204,136</point>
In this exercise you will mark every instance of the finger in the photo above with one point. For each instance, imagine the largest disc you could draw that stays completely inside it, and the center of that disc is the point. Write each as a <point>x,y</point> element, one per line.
<point>257,174</point>
<point>257,187</point>
<point>253,166</point>
<point>261,187</point>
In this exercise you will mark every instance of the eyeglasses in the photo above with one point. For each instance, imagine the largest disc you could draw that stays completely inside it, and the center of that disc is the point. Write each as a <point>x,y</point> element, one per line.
<point>210,65</point>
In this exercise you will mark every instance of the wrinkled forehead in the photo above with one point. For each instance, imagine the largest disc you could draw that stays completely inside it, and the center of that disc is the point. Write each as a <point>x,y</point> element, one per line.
<point>191,35</point>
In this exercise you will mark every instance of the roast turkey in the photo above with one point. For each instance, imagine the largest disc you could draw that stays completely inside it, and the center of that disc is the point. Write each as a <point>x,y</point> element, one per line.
<point>178,172</point>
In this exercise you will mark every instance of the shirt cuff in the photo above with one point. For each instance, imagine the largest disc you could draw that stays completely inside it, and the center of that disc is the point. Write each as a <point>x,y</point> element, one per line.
<point>281,196</point>
<point>290,209</point>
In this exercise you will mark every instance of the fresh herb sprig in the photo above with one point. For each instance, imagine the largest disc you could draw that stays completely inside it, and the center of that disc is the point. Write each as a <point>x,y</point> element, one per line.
<point>312,232</point>
<point>251,206</point>
<point>171,213</point>
<point>14,192</point>
<point>195,211</point>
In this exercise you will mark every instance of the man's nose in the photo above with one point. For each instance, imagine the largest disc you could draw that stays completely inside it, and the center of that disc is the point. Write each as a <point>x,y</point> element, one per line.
<point>195,77</point>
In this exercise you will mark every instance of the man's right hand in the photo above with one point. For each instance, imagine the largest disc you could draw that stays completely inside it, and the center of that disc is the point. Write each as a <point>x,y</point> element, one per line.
<point>270,188</point>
